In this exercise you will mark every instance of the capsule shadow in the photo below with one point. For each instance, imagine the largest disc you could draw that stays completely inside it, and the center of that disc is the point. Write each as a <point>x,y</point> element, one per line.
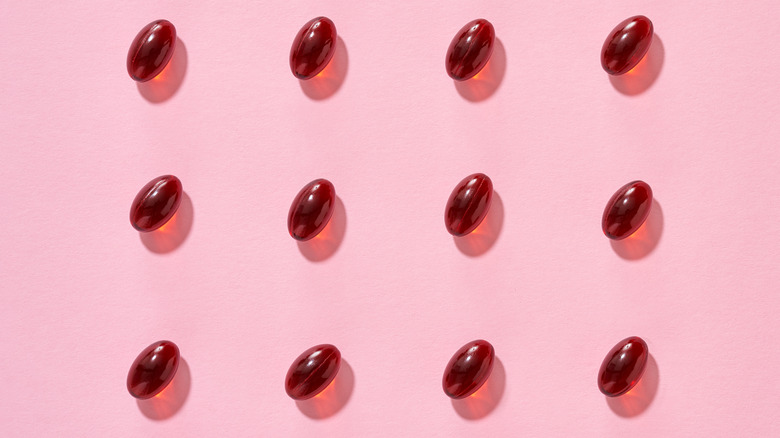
<point>327,82</point>
<point>485,400</point>
<point>643,76</point>
<point>167,83</point>
<point>325,244</point>
<point>172,235</point>
<point>485,83</point>
<point>170,401</point>
<point>639,398</point>
<point>645,239</point>
<point>486,234</point>
<point>333,398</point>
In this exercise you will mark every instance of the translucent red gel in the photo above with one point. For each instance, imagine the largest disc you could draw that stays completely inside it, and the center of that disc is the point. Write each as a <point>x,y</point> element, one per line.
<point>468,204</point>
<point>156,203</point>
<point>313,48</point>
<point>627,210</point>
<point>151,50</point>
<point>468,369</point>
<point>623,367</point>
<point>626,45</point>
<point>311,209</point>
<point>470,50</point>
<point>312,371</point>
<point>153,369</point>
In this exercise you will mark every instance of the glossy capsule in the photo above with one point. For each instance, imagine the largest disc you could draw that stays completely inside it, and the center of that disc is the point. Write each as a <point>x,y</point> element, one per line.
<point>627,210</point>
<point>468,369</point>
<point>313,48</point>
<point>153,369</point>
<point>470,50</point>
<point>156,203</point>
<point>623,366</point>
<point>311,209</point>
<point>151,50</point>
<point>312,371</point>
<point>626,45</point>
<point>468,204</point>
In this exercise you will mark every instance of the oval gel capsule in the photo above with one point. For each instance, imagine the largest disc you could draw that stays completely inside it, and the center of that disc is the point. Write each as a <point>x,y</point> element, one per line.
<point>312,371</point>
<point>470,49</point>
<point>468,369</point>
<point>627,210</point>
<point>313,48</point>
<point>311,209</point>
<point>156,203</point>
<point>623,366</point>
<point>151,50</point>
<point>153,369</point>
<point>626,45</point>
<point>468,204</point>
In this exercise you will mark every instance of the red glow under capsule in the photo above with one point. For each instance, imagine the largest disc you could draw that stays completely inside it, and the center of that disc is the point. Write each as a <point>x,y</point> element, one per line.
<point>470,50</point>
<point>626,45</point>
<point>311,209</point>
<point>627,210</point>
<point>312,371</point>
<point>151,50</point>
<point>153,369</point>
<point>156,203</point>
<point>468,204</point>
<point>623,367</point>
<point>468,369</point>
<point>313,48</point>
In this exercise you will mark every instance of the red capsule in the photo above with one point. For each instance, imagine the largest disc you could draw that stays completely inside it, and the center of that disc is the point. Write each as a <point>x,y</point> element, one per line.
<point>623,366</point>
<point>156,203</point>
<point>312,371</point>
<point>313,48</point>
<point>626,45</point>
<point>468,204</point>
<point>311,209</point>
<point>153,369</point>
<point>151,50</point>
<point>627,210</point>
<point>470,50</point>
<point>468,369</point>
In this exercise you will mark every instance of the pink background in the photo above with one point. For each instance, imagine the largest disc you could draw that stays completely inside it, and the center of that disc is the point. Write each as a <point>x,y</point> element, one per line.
<point>83,294</point>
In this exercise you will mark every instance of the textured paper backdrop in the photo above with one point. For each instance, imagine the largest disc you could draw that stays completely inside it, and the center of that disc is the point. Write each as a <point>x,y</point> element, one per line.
<point>83,293</point>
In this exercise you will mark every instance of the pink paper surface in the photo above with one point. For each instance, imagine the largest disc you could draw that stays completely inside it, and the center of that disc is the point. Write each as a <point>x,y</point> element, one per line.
<point>83,293</point>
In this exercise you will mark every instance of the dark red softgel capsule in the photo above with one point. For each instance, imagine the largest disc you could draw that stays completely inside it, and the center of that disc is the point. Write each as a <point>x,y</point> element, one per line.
<point>470,50</point>
<point>627,210</point>
<point>468,204</point>
<point>623,367</point>
<point>626,45</point>
<point>468,369</point>
<point>153,369</point>
<point>313,48</point>
<point>311,209</point>
<point>156,203</point>
<point>312,371</point>
<point>151,50</point>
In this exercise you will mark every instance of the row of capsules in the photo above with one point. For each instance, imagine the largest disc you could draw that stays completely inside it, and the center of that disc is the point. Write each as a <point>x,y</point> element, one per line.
<point>315,44</point>
<point>313,371</point>
<point>468,205</point>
